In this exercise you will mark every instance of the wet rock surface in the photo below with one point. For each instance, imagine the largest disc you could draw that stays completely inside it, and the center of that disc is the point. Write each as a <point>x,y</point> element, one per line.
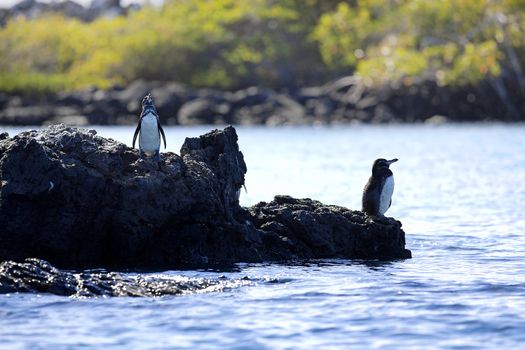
<point>79,200</point>
<point>38,276</point>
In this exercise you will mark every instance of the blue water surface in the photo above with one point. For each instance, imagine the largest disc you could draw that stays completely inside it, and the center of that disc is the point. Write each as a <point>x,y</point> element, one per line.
<point>460,193</point>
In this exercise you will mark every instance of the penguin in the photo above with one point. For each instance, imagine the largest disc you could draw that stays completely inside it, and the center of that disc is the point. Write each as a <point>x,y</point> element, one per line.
<point>377,195</point>
<point>150,130</point>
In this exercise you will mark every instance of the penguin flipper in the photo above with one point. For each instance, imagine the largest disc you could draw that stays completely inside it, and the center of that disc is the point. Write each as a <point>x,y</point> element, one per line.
<point>370,199</point>
<point>370,203</point>
<point>136,134</point>
<point>162,133</point>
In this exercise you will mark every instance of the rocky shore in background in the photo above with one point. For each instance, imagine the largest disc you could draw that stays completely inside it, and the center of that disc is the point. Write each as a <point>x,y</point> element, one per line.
<point>347,100</point>
<point>79,200</point>
<point>32,9</point>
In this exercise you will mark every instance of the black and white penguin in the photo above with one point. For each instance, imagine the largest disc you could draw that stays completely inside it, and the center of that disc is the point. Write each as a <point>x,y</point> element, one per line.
<point>150,130</point>
<point>377,195</point>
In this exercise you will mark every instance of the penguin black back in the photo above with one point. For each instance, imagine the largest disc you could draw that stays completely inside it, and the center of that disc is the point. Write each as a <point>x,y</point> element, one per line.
<point>377,194</point>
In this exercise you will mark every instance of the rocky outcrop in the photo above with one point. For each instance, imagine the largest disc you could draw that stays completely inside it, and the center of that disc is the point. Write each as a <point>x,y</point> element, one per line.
<point>309,229</point>
<point>79,200</point>
<point>38,276</point>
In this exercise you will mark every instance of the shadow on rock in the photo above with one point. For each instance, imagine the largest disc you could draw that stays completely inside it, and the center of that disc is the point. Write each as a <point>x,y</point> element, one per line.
<point>79,200</point>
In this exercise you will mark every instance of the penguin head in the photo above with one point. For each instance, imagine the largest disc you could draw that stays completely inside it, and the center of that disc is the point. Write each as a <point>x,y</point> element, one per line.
<point>147,100</point>
<point>147,105</point>
<point>381,166</point>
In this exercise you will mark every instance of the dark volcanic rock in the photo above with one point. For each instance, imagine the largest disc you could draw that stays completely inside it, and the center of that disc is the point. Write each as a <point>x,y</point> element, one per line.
<point>204,111</point>
<point>80,200</point>
<point>263,106</point>
<point>77,199</point>
<point>310,229</point>
<point>36,115</point>
<point>38,276</point>
<point>169,98</point>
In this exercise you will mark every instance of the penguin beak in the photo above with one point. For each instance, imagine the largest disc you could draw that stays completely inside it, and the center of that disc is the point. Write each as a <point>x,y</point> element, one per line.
<point>392,161</point>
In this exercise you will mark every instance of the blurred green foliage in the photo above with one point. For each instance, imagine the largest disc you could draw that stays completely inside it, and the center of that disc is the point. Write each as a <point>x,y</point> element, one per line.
<point>281,44</point>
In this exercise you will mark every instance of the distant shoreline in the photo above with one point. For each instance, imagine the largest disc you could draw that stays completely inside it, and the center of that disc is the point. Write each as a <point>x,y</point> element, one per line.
<point>278,64</point>
<point>6,4</point>
<point>344,101</point>
<point>84,10</point>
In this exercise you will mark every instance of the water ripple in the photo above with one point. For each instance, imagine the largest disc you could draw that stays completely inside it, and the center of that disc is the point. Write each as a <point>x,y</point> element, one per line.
<point>459,194</point>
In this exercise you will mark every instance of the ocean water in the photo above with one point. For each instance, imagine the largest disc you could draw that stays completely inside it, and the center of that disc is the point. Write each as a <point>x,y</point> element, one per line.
<point>460,193</point>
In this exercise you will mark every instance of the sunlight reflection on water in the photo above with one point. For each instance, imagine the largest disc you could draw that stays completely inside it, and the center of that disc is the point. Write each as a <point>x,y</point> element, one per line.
<point>459,193</point>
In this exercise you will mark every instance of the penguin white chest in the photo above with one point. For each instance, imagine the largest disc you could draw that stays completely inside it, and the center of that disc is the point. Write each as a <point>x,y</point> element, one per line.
<point>385,197</point>
<point>149,138</point>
